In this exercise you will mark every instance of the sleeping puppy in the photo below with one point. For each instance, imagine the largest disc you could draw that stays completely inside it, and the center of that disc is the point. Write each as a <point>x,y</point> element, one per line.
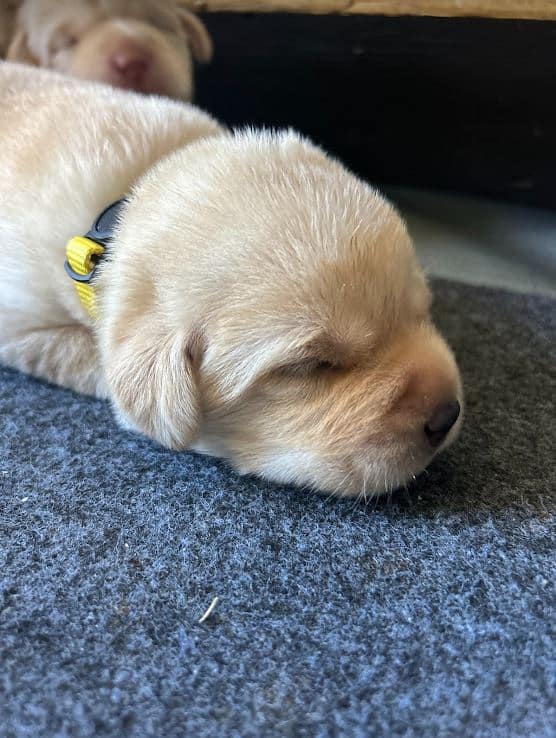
<point>142,45</point>
<point>258,302</point>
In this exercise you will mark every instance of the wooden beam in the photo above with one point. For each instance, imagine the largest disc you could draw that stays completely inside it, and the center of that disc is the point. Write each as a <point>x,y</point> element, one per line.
<point>517,9</point>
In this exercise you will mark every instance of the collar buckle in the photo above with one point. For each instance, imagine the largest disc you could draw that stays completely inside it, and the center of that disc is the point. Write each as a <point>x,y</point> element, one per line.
<point>83,254</point>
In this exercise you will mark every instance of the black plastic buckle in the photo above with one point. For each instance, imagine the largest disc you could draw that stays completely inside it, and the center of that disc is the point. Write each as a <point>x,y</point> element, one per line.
<point>102,232</point>
<point>83,278</point>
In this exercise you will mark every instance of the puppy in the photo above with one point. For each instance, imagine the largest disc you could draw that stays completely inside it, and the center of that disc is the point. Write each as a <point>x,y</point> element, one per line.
<point>142,45</point>
<point>258,302</point>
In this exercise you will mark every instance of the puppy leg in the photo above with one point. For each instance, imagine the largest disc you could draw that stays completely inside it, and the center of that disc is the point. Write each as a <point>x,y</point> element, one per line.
<point>64,355</point>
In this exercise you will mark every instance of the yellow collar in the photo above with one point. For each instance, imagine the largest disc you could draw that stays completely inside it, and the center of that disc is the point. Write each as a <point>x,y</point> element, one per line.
<point>84,253</point>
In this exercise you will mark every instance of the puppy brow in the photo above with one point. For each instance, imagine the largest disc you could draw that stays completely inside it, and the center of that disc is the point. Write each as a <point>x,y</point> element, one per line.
<point>302,367</point>
<point>319,354</point>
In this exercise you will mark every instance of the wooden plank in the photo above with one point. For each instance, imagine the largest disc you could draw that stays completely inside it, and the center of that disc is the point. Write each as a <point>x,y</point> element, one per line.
<point>522,9</point>
<point>270,6</point>
<point>518,9</point>
<point>465,105</point>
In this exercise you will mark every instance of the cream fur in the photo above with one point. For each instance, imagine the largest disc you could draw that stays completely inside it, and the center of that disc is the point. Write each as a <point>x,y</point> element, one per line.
<point>262,304</point>
<point>81,37</point>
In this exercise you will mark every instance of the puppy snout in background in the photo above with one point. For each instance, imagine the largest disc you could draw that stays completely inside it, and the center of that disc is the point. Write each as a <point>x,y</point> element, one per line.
<point>128,64</point>
<point>259,303</point>
<point>144,46</point>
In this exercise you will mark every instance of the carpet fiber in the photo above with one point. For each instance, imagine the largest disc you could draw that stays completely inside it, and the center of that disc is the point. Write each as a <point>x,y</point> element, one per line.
<point>431,613</point>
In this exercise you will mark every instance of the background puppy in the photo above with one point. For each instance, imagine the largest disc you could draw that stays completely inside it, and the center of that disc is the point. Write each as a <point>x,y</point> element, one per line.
<point>142,45</point>
<point>260,303</point>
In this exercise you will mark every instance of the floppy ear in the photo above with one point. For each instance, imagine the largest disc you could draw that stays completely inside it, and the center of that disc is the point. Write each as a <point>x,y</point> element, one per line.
<point>154,386</point>
<point>197,35</point>
<point>19,50</point>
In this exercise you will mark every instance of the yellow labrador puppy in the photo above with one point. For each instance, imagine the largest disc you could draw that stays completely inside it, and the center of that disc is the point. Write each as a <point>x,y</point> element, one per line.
<point>250,298</point>
<point>141,45</point>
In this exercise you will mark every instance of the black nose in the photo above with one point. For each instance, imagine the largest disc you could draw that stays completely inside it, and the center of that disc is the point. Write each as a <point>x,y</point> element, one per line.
<point>441,421</point>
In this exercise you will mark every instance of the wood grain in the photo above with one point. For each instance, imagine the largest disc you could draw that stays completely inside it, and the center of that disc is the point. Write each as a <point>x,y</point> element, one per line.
<point>518,9</point>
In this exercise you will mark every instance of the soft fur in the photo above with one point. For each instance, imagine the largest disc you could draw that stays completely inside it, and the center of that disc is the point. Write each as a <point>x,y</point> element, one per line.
<point>144,45</point>
<point>261,304</point>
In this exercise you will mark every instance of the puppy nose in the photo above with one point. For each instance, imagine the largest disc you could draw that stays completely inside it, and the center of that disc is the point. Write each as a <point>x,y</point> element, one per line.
<point>130,65</point>
<point>441,421</point>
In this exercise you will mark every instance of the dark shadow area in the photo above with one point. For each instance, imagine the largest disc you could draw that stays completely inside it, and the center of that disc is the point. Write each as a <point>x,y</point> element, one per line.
<point>459,104</point>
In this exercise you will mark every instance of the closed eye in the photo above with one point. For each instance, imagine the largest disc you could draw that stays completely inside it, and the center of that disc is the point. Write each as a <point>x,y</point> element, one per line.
<point>322,366</point>
<point>306,367</point>
<point>63,41</point>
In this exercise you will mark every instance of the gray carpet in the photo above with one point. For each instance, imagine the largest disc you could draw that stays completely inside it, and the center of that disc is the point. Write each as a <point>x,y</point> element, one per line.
<point>426,614</point>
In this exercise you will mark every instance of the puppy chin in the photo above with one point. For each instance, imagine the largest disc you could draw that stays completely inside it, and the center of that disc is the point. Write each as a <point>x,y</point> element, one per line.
<point>146,86</point>
<point>307,470</point>
<point>364,473</point>
<point>358,478</point>
<point>155,82</point>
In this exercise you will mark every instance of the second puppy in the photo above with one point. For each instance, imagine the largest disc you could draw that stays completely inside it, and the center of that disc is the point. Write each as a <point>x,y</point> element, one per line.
<point>147,45</point>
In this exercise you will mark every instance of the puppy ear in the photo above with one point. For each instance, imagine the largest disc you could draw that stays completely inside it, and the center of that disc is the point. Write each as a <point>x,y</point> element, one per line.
<point>19,50</point>
<point>197,35</point>
<point>154,386</point>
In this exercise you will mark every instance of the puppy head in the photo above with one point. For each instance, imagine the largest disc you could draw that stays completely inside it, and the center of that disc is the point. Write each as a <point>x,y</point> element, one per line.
<point>274,314</point>
<point>144,46</point>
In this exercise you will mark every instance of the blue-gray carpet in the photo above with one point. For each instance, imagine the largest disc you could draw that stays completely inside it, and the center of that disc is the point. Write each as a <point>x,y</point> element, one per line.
<point>428,614</point>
